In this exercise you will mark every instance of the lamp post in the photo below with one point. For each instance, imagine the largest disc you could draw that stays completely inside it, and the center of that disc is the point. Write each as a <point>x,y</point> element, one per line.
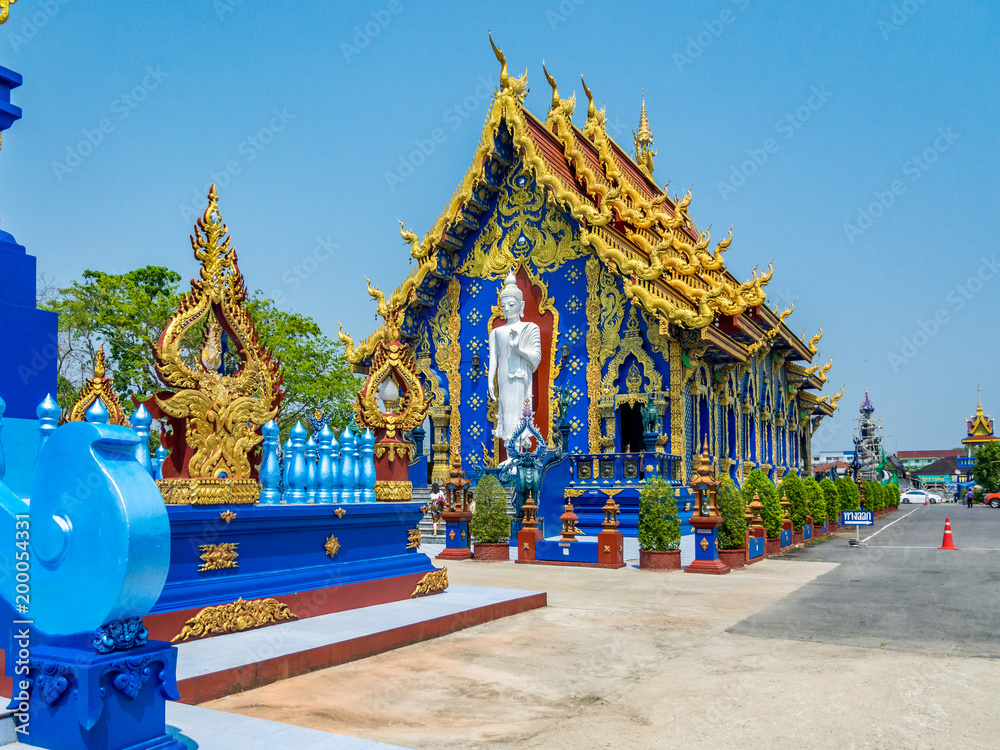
<point>457,491</point>
<point>706,519</point>
<point>958,485</point>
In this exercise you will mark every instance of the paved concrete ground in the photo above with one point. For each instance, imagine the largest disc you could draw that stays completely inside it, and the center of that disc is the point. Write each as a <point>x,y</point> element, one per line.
<point>636,659</point>
<point>900,591</point>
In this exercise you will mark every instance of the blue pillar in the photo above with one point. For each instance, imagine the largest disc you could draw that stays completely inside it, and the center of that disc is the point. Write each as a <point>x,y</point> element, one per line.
<point>311,469</point>
<point>48,417</point>
<point>286,467</point>
<point>297,474</point>
<point>141,419</point>
<point>367,483</point>
<point>161,456</point>
<point>324,467</point>
<point>347,466</point>
<point>97,413</point>
<point>270,467</point>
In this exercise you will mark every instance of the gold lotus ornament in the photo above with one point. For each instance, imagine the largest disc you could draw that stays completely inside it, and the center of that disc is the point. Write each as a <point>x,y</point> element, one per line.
<point>218,407</point>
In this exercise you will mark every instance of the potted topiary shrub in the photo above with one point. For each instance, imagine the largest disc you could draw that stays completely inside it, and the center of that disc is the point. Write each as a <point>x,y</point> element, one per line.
<point>490,524</point>
<point>733,532</point>
<point>832,498</point>
<point>817,506</point>
<point>791,487</point>
<point>772,513</point>
<point>659,526</point>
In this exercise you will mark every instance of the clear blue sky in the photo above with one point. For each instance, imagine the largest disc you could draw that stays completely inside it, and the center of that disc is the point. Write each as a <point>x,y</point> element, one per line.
<point>307,113</point>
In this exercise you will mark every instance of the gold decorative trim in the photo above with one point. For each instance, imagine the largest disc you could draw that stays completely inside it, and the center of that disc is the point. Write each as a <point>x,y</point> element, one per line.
<point>340,513</point>
<point>5,9</point>
<point>393,491</point>
<point>593,269</point>
<point>454,376</point>
<point>227,516</point>
<point>436,580</point>
<point>218,556</point>
<point>332,546</point>
<point>414,539</point>
<point>98,388</point>
<point>233,618</point>
<point>222,414</point>
<point>209,491</point>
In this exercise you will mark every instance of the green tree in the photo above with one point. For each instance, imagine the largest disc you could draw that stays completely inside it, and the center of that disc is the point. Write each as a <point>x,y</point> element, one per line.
<point>316,373</point>
<point>817,500</point>
<point>986,470</point>
<point>792,488</point>
<point>123,312</point>
<point>850,495</point>
<point>832,498</point>
<point>659,522</point>
<point>732,533</point>
<point>772,512</point>
<point>873,496</point>
<point>490,523</point>
<point>126,312</point>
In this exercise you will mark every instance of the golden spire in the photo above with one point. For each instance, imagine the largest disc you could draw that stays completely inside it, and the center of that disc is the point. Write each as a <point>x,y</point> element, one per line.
<point>979,405</point>
<point>99,367</point>
<point>644,152</point>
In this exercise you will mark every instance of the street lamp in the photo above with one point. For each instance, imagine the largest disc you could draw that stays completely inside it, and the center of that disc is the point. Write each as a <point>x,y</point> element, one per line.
<point>958,477</point>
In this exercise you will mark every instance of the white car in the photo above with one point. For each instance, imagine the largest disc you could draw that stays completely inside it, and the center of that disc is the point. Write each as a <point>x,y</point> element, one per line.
<point>918,497</point>
<point>934,499</point>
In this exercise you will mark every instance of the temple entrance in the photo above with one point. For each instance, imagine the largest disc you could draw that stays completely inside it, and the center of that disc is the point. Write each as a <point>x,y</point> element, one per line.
<point>630,428</point>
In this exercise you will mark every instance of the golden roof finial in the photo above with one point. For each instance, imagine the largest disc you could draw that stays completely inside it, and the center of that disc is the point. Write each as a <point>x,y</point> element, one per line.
<point>5,9</point>
<point>644,152</point>
<point>99,367</point>
<point>979,405</point>
<point>552,83</point>
<point>504,78</point>
<point>591,109</point>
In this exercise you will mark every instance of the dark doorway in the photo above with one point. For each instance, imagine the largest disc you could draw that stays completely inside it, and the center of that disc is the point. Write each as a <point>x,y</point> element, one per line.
<point>630,428</point>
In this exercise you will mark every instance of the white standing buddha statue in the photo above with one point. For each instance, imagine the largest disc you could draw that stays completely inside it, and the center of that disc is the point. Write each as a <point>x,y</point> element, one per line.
<point>515,351</point>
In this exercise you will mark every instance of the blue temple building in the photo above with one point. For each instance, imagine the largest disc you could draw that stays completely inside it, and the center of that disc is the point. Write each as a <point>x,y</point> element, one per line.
<point>635,307</point>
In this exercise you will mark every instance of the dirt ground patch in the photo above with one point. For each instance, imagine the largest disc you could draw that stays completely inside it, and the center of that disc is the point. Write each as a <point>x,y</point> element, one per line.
<point>636,659</point>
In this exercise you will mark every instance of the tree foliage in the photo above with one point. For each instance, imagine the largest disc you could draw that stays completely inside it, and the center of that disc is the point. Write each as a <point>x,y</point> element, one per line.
<point>986,470</point>
<point>850,495</point>
<point>733,532</point>
<point>792,488</point>
<point>490,523</point>
<point>126,312</point>
<point>817,501</point>
<point>772,512</point>
<point>832,498</point>
<point>659,522</point>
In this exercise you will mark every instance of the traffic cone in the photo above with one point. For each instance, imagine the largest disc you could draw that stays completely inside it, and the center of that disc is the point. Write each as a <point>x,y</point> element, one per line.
<point>946,543</point>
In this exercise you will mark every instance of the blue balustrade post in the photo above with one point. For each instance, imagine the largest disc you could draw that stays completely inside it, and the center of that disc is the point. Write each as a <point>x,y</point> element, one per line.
<point>97,413</point>
<point>311,469</point>
<point>298,473</point>
<point>270,467</point>
<point>368,467</point>
<point>347,466</point>
<point>48,417</point>
<point>161,457</point>
<point>324,466</point>
<point>357,469</point>
<point>286,467</point>
<point>141,420</point>
<point>335,483</point>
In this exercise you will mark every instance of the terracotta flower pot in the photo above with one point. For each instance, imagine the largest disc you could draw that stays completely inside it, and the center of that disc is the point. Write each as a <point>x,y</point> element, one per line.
<point>734,558</point>
<point>660,559</point>
<point>491,552</point>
